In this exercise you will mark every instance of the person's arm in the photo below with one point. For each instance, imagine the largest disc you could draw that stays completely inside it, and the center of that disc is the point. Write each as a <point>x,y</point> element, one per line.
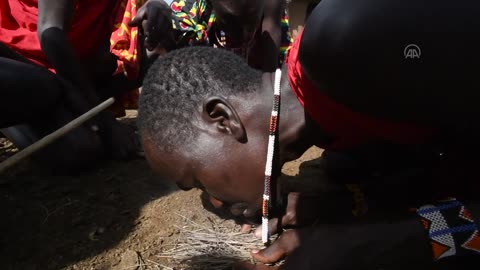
<point>54,21</point>
<point>272,33</point>
<point>154,19</point>
<point>348,247</point>
<point>401,244</point>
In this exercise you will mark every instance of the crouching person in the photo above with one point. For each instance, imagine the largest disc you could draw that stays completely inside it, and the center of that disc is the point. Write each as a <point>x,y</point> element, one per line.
<point>206,126</point>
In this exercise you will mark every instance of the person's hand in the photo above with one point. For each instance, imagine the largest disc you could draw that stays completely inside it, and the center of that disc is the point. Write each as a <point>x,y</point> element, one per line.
<point>306,209</point>
<point>119,139</point>
<point>155,19</point>
<point>301,210</point>
<point>400,245</point>
<point>287,243</point>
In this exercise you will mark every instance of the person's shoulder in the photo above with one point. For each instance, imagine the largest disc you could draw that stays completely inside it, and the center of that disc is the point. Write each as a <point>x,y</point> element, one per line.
<point>276,3</point>
<point>274,7</point>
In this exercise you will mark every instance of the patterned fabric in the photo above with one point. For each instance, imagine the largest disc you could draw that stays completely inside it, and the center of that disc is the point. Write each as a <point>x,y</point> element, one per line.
<point>124,45</point>
<point>451,229</point>
<point>193,20</point>
<point>123,41</point>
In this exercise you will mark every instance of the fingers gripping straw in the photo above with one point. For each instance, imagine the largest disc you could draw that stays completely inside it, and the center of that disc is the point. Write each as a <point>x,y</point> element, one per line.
<point>270,151</point>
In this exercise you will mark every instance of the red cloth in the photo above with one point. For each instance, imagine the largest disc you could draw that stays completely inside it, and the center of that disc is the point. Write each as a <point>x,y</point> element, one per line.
<point>124,39</point>
<point>91,27</point>
<point>348,127</point>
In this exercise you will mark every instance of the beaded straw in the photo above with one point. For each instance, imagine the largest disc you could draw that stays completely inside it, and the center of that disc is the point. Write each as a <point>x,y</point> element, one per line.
<point>270,151</point>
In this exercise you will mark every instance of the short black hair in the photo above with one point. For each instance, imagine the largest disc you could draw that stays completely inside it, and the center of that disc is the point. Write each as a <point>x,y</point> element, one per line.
<point>176,85</point>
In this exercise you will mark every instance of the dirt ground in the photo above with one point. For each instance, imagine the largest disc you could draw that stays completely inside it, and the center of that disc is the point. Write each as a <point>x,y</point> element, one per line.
<point>118,217</point>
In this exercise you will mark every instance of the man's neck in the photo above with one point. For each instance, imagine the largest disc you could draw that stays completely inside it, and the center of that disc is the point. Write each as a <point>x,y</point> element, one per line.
<point>293,139</point>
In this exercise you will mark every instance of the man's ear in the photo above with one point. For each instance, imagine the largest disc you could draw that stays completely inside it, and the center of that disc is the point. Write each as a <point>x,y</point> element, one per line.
<point>221,113</point>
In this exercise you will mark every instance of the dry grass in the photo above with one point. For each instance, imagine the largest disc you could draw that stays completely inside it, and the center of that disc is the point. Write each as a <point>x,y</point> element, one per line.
<point>216,247</point>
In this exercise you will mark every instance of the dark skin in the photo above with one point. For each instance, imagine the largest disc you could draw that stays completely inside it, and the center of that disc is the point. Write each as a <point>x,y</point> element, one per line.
<point>44,110</point>
<point>234,120</point>
<point>54,21</point>
<point>154,20</point>
<point>240,19</point>
<point>223,123</point>
<point>77,86</point>
<point>222,126</point>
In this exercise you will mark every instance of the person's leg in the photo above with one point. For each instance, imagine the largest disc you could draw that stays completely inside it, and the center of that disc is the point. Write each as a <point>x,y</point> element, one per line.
<point>26,90</point>
<point>36,97</point>
<point>77,150</point>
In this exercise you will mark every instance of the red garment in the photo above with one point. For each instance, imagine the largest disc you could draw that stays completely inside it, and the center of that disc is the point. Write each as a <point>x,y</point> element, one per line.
<point>91,28</point>
<point>349,128</point>
<point>124,39</point>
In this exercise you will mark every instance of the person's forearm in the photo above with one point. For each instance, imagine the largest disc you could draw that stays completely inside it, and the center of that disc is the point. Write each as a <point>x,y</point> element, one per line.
<point>389,245</point>
<point>396,245</point>
<point>272,33</point>
<point>271,40</point>
<point>60,54</point>
<point>427,236</point>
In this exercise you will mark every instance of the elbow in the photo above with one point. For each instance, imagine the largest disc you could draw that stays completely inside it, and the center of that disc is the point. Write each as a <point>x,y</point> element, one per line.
<point>48,34</point>
<point>274,29</point>
<point>41,27</point>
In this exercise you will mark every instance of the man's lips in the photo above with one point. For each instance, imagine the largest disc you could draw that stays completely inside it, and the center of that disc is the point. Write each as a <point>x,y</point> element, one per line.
<point>237,209</point>
<point>216,203</point>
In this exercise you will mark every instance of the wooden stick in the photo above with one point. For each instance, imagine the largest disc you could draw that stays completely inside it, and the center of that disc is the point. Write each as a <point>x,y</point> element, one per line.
<point>54,135</point>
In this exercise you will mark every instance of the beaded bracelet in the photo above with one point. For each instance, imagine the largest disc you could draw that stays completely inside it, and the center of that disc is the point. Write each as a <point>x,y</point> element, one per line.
<point>451,229</point>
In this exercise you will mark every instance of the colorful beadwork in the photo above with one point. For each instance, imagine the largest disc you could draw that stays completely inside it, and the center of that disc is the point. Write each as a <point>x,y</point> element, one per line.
<point>270,151</point>
<point>451,229</point>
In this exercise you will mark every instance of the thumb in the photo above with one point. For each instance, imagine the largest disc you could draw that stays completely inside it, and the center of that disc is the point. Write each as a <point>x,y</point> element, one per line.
<point>271,254</point>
